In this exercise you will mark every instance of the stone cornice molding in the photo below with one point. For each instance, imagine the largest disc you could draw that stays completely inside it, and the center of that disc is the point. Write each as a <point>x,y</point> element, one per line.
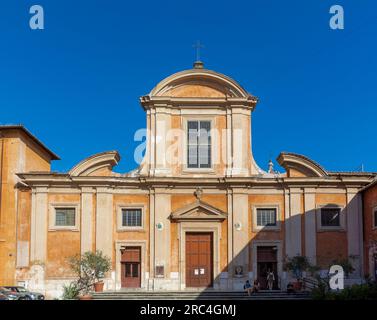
<point>59,180</point>
<point>198,211</point>
<point>204,75</point>
<point>151,103</point>
<point>95,162</point>
<point>302,164</point>
<point>233,94</point>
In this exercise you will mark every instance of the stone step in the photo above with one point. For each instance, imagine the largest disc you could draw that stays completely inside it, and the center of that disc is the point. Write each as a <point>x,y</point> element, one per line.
<point>189,295</point>
<point>202,298</point>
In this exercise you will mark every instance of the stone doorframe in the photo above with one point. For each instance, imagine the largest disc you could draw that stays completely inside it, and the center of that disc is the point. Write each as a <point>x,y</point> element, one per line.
<point>118,256</point>
<point>267,243</point>
<point>193,226</point>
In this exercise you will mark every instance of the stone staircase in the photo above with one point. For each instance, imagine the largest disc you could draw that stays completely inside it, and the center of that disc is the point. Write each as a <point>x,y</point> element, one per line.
<point>198,295</point>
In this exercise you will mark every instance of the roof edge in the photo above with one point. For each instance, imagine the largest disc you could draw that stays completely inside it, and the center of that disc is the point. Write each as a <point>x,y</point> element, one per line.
<point>20,127</point>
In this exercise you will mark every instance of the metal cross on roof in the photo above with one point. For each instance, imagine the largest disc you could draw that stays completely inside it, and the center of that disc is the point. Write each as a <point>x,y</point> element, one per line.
<point>197,47</point>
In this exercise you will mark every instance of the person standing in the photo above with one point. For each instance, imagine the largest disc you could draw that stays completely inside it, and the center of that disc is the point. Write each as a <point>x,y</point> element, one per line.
<point>270,279</point>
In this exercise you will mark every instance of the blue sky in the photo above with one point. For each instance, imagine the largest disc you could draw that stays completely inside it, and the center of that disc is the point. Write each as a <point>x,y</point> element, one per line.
<point>76,84</point>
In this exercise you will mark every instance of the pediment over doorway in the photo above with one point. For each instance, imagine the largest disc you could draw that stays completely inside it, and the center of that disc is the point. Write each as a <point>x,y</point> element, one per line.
<point>199,211</point>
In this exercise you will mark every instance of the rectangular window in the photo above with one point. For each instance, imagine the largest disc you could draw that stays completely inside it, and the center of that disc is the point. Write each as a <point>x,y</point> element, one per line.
<point>375,218</point>
<point>131,218</point>
<point>266,217</point>
<point>65,217</point>
<point>199,144</point>
<point>330,217</point>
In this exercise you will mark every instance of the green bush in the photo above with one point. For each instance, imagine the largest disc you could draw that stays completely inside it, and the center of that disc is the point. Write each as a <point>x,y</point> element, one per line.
<point>367,291</point>
<point>70,291</point>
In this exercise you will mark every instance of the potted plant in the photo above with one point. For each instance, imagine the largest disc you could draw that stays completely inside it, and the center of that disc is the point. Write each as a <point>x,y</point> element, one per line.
<point>297,265</point>
<point>101,266</point>
<point>90,268</point>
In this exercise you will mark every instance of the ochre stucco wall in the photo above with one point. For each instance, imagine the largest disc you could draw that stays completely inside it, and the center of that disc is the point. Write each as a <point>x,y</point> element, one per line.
<point>17,154</point>
<point>61,244</point>
<point>331,245</point>
<point>266,235</point>
<point>131,200</point>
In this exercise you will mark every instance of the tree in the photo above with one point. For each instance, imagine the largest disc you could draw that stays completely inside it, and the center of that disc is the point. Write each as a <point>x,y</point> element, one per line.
<point>89,267</point>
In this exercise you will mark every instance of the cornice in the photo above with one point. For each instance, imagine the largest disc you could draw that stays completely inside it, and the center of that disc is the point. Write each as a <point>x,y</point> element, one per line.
<point>56,180</point>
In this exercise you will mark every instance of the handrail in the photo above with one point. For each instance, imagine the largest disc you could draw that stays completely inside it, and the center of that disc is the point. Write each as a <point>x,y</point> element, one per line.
<point>309,283</point>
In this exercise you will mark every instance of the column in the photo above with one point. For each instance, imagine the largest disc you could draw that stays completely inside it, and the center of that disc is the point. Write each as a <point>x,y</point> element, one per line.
<point>162,235</point>
<point>293,220</point>
<point>151,234</point>
<point>354,229</point>
<point>163,125</point>
<point>310,225</point>
<point>229,160</point>
<point>240,236</point>
<point>86,219</point>
<point>230,232</point>
<point>240,142</point>
<point>39,225</point>
<point>104,221</point>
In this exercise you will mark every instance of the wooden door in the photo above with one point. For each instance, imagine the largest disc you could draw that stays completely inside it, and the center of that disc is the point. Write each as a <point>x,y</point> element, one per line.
<point>267,260</point>
<point>199,257</point>
<point>131,267</point>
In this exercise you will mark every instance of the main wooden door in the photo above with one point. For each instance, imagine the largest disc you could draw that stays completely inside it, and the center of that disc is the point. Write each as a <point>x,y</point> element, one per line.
<point>131,267</point>
<point>199,259</point>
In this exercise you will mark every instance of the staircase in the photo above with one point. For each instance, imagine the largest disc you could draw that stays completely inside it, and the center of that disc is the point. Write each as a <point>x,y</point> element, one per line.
<point>199,295</point>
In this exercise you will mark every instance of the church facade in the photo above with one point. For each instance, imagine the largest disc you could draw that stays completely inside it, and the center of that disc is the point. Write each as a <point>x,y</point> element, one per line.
<point>197,213</point>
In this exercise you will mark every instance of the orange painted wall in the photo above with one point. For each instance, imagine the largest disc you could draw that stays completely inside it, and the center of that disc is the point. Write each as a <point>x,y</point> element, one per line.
<point>130,200</point>
<point>23,226</point>
<point>18,153</point>
<point>61,244</point>
<point>9,158</point>
<point>174,248</point>
<point>34,161</point>
<point>331,245</point>
<point>265,234</point>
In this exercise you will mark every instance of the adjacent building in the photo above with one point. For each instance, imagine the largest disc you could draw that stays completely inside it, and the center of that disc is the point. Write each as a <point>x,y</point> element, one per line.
<point>370,229</point>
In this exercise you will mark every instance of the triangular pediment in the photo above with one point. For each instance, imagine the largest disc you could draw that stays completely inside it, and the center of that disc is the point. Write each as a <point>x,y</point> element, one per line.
<point>198,210</point>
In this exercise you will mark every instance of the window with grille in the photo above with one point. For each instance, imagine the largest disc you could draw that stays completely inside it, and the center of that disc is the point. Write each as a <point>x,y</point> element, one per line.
<point>131,218</point>
<point>199,144</point>
<point>65,217</point>
<point>330,217</point>
<point>266,217</point>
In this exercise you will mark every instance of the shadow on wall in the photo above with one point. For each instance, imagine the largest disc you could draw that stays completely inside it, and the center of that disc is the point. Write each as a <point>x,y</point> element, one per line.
<point>271,245</point>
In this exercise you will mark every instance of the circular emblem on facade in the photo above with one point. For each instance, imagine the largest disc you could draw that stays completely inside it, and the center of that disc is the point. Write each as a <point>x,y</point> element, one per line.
<point>159,226</point>
<point>238,226</point>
